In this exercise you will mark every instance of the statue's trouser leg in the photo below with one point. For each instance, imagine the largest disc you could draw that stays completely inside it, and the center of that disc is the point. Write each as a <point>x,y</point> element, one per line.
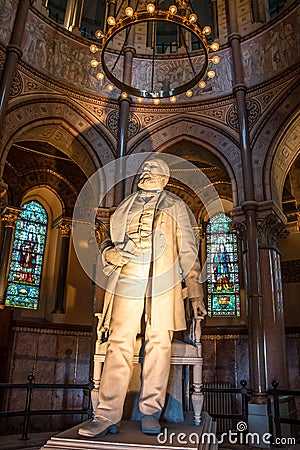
<point>156,370</point>
<point>124,326</point>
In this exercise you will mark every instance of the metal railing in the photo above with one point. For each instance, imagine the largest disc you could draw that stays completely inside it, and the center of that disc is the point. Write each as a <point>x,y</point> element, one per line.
<point>220,392</point>
<point>28,412</point>
<point>277,417</point>
<point>87,410</point>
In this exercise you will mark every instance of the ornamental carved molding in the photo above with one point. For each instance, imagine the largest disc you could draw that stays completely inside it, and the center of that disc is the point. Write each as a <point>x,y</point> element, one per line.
<point>65,229</point>
<point>3,195</point>
<point>50,331</point>
<point>253,112</point>
<point>10,217</point>
<point>240,229</point>
<point>270,230</point>
<point>64,226</point>
<point>112,123</point>
<point>101,231</point>
<point>17,84</point>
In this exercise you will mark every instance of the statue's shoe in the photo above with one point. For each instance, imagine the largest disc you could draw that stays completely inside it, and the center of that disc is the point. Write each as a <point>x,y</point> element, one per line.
<point>98,427</point>
<point>150,425</point>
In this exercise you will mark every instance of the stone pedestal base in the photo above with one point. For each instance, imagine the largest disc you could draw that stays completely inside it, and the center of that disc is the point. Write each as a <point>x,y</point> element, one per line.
<point>259,424</point>
<point>185,436</point>
<point>58,317</point>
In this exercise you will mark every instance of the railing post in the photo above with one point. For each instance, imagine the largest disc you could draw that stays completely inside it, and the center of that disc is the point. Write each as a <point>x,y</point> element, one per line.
<point>29,388</point>
<point>244,400</point>
<point>276,409</point>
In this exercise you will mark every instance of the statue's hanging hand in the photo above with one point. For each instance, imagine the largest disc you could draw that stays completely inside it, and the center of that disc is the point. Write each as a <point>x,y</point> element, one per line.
<point>198,306</point>
<point>114,257</point>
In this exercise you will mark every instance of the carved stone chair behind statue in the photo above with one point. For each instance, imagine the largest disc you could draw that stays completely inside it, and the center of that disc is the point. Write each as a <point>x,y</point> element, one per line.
<point>186,353</point>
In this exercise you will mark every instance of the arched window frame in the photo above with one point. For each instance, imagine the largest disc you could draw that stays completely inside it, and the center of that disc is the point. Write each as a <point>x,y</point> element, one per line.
<point>223,282</point>
<point>25,274</point>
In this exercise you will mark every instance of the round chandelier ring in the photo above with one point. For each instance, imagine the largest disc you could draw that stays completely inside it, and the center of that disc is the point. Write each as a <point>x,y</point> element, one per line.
<point>158,15</point>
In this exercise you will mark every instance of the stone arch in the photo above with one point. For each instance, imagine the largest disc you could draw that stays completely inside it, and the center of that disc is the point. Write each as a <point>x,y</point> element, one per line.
<point>61,187</point>
<point>73,132</point>
<point>277,129</point>
<point>280,159</point>
<point>213,140</point>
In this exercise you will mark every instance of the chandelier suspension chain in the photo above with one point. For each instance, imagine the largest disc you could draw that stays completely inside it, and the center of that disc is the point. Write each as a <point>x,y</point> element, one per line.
<point>153,55</point>
<point>126,36</point>
<point>187,51</point>
<point>122,48</point>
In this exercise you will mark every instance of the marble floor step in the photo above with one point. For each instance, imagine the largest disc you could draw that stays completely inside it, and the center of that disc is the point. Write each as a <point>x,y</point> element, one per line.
<point>181,436</point>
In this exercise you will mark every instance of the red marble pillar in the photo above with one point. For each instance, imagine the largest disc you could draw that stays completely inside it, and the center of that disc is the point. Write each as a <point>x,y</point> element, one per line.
<point>249,206</point>
<point>270,230</point>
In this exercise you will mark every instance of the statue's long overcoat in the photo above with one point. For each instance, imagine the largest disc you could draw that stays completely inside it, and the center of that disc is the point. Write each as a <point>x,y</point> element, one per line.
<point>174,248</point>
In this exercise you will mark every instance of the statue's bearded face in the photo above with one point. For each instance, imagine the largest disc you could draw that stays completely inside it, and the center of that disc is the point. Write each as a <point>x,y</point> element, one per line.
<point>152,176</point>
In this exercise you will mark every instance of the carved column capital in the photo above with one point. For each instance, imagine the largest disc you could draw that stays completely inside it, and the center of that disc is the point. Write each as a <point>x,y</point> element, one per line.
<point>65,229</point>
<point>270,230</point>
<point>101,231</point>
<point>3,196</point>
<point>11,216</point>
<point>3,188</point>
<point>241,231</point>
<point>64,225</point>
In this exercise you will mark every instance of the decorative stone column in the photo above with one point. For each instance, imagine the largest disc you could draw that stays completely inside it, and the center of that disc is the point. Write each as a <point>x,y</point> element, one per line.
<point>3,195</point>
<point>64,230</point>
<point>14,53</point>
<point>214,14</point>
<point>254,296</point>
<point>73,16</point>
<point>124,105</point>
<point>9,219</point>
<point>270,230</point>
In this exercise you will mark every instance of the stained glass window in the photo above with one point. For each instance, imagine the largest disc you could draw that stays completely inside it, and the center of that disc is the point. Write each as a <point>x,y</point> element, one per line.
<point>24,278</point>
<point>223,286</point>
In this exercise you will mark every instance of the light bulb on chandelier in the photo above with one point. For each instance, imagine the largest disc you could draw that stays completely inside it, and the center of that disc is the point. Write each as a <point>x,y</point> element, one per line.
<point>93,48</point>
<point>111,21</point>
<point>206,30</point>
<point>150,8</point>
<point>99,34</point>
<point>215,46</point>
<point>215,59</point>
<point>173,9</point>
<point>193,18</point>
<point>94,63</point>
<point>129,11</point>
